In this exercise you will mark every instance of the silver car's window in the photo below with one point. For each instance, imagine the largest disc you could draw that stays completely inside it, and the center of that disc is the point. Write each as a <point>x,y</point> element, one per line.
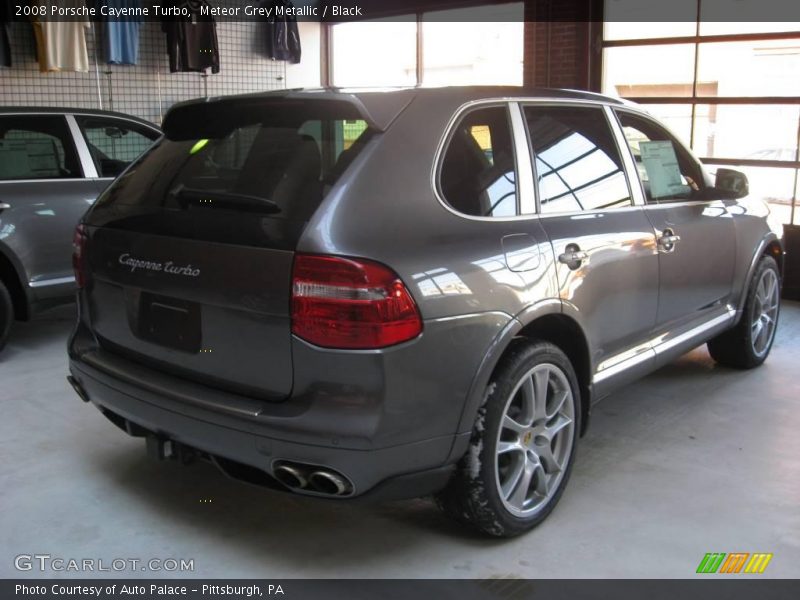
<point>478,174</point>
<point>577,163</point>
<point>114,143</point>
<point>36,147</point>
<point>666,170</point>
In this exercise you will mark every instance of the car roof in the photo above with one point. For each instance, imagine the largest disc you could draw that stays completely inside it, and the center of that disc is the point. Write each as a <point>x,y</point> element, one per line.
<point>381,106</point>
<point>60,110</point>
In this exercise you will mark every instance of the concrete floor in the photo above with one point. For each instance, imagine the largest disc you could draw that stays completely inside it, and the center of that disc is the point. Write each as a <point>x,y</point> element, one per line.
<point>693,459</point>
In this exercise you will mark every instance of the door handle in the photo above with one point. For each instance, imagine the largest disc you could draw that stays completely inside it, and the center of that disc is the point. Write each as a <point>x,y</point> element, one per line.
<point>573,256</point>
<point>667,241</point>
<point>4,206</point>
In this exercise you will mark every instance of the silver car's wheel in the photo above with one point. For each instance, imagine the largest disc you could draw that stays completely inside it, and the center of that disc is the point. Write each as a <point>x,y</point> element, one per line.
<point>765,312</point>
<point>534,442</point>
<point>523,444</point>
<point>748,343</point>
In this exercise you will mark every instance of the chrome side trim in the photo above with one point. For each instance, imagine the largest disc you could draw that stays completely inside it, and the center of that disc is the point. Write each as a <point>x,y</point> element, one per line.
<point>664,346</point>
<point>89,168</point>
<point>630,354</point>
<point>619,366</point>
<point>657,346</point>
<point>47,282</point>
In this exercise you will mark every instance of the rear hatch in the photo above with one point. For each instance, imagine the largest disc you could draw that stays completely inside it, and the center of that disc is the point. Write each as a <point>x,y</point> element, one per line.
<point>191,250</point>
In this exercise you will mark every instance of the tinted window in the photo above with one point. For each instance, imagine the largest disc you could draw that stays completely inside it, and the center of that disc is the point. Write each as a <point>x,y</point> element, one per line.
<point>258,158</point>
<point>478,174</point>
<point>36,147</point>
<point>578,166</point>
<point>114,143</point>
<point>667,171</point>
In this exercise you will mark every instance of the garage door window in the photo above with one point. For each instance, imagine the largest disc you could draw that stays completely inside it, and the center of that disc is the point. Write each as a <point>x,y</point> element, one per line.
<point>36,147</point>
<point>478,175</point>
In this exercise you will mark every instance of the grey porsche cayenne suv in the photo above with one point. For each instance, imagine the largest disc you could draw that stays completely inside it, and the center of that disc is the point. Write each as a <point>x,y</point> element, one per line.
<point>396,294</point>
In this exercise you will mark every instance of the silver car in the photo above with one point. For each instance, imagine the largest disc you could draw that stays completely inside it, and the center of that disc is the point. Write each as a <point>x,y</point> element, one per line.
<point>54,162</point>
<point>389,294</point>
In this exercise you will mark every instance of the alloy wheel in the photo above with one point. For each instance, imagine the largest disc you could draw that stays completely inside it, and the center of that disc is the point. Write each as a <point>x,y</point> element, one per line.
<point>765,312</point>
<point>535,440</point>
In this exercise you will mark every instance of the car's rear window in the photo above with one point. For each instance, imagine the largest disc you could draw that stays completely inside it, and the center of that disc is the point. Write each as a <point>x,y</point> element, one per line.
<point>275,158</point>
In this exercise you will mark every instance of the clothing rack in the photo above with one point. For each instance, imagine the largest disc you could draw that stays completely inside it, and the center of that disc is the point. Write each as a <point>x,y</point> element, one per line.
<point>146,90</point>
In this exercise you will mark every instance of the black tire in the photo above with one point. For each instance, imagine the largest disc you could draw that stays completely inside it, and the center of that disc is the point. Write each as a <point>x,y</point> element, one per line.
<point>6,314</point>
<point>735,347</point>
<point>473,495</point>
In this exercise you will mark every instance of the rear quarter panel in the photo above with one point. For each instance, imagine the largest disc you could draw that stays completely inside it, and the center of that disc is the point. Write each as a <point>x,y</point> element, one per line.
<point>385,208</point>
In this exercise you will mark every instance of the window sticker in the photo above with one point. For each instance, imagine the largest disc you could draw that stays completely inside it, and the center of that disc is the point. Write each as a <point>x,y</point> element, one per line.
<point>663,172</point>
<point>28,159</point>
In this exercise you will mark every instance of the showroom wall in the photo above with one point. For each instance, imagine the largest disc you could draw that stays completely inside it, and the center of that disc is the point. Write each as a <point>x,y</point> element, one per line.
<point>148,89</point>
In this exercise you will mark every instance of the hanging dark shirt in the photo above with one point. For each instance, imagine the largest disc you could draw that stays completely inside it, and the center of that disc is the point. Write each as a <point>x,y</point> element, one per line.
<point>192,41</point>
<point>283,38</point>
<point>5,43</point>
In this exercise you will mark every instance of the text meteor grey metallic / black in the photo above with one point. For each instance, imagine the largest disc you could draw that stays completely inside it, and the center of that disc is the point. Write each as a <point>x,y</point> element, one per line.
<point>410,292</point>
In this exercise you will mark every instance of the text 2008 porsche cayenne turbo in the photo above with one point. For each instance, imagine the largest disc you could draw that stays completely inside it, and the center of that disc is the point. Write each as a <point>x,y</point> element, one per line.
<point>410,292</point>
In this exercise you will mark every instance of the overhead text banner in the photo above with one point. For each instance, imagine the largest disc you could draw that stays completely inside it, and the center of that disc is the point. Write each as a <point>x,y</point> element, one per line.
<point>782,11</point>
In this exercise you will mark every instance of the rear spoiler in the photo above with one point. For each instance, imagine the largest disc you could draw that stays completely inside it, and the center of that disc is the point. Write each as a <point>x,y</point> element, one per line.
<point>207,118</point>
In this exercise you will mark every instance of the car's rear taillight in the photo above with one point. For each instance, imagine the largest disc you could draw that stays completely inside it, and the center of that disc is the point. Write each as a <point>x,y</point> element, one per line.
<point>80,245</point>
<point>351,303</point>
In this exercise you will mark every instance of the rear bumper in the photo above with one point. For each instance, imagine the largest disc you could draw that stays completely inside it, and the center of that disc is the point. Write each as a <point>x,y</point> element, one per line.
<point>403,470</point>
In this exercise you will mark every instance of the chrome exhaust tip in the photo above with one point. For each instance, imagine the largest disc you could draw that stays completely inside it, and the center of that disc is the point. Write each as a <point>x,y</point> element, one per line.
<point>326,482</point>
<point>290,476</point>
<point>76,385</point>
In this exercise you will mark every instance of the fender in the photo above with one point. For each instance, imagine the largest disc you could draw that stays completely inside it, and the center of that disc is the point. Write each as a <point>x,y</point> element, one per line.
<point>757,254</point>
<point>480,381</point>
<point>568,309</point>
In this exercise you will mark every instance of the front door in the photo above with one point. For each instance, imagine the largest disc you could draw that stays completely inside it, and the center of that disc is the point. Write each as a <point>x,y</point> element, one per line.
<point>695,233</point>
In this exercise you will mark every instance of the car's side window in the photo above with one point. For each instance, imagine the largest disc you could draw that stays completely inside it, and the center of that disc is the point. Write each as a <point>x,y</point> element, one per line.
<point>577,163</point>
<point>478,171</point>
<point>114,143</point>
<point>36,147</point>
<point>667,171</point>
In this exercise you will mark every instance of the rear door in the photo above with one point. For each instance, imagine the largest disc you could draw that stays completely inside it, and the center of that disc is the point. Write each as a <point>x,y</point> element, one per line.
<point>44,191</point>
<point>191,250</point>
<point>604,244</point>
<point>696,237</point>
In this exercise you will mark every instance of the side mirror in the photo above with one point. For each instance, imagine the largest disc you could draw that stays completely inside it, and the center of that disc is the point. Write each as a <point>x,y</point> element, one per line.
<point>732,182</point>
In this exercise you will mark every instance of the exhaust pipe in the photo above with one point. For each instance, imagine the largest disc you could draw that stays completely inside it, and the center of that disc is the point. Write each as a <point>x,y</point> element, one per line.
<point>327,482</point>
<point>290,476</point>
<point>78,388</point>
